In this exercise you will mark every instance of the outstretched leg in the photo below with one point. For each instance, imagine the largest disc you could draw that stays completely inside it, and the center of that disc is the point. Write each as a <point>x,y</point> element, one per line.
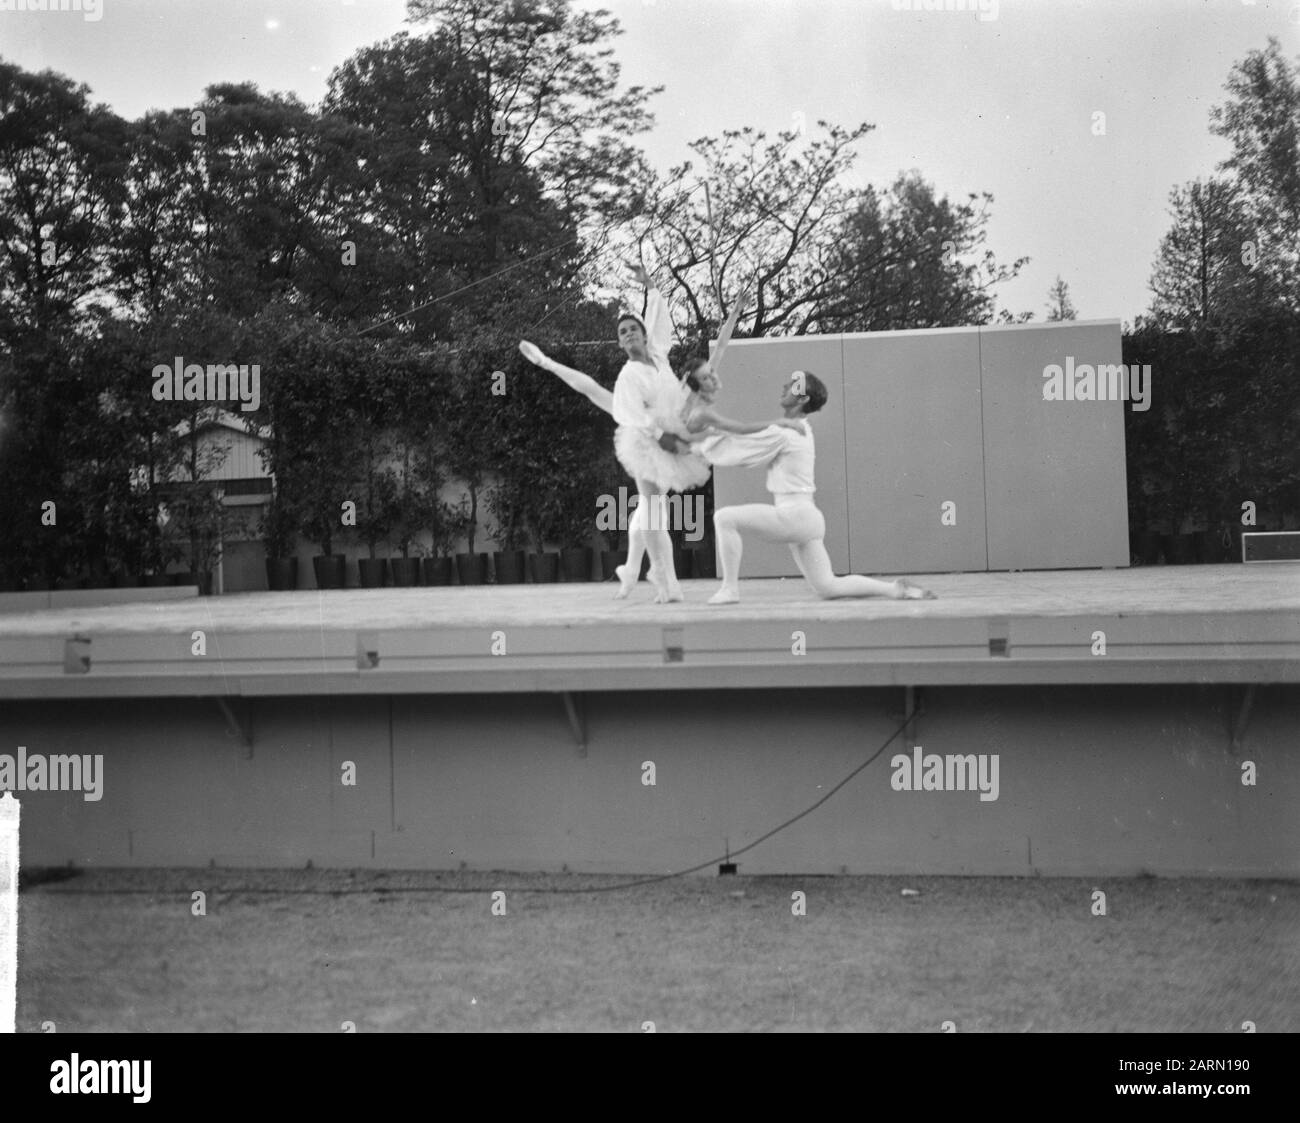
<point>815,564</point>
<point>574,379</point>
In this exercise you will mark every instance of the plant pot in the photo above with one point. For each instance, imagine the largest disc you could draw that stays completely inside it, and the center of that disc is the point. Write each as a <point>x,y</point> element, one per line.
<point>331,570</point>
<point>437,571</point>
<point>405,571</point>
<point>1145,545</point>
<point>704,563</point>
<point>575,561</point>
<point>610,560</point>
<point>1180,549</point>
<point>545,567</point>
<point>1235,531</point>
<point>371,572</point>
<point>281,574</point>
<point>471,568</point>
<point>510,567</point>
<point>1209,546</point>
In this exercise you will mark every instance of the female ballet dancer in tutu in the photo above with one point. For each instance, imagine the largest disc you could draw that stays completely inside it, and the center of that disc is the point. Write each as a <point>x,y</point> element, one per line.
<point>684,411</point>
<point>645,405</point>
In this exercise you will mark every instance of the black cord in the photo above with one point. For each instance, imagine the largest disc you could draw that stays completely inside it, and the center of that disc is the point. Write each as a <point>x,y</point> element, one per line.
<point>256,891</point>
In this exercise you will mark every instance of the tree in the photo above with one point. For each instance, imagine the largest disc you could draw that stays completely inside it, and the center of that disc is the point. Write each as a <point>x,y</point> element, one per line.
<point>493,138</point>
<point>1060,307</point>
<point>1202,274</point>
<point>533,84</point>
<point>60,170</point>
<point>823,258</point>
<point>909,259</point>
<point>1261,121</point>
<point>770,215</point>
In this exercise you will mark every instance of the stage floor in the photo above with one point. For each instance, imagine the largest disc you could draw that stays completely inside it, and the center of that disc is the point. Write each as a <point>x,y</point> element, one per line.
<point>1225,623</point>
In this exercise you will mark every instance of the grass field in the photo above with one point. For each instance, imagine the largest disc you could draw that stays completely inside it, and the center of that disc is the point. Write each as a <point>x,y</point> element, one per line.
<point>120,950</point>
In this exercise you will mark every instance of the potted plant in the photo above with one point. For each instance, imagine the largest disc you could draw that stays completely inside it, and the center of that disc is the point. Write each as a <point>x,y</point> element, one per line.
<point>160,551</point>
<point>375,518</point>
<point>278,533</point>
<point>543,514</point>
<point>575,558</point>
<point>466,427</point>
<point>408,515</point>
<point>329,568</point>
<point>509,560</point>
<point>318,386</point>
<point>471,565</point>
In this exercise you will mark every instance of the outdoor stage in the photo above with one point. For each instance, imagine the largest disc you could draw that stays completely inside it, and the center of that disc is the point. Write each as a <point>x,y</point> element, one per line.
<point>509,727</point>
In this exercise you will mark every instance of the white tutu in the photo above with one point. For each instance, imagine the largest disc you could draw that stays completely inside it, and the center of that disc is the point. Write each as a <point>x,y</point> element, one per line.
<point>643,459</point>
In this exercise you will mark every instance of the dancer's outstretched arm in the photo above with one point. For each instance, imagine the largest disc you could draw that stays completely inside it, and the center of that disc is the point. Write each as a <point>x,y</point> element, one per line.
<point>575,379</point>
<point>707,424</point>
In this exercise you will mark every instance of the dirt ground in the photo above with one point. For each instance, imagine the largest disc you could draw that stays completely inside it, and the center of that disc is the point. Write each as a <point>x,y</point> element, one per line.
<point>119,950</point>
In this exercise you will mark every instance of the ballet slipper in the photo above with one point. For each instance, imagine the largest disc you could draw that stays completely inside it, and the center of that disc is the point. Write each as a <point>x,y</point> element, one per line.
<point>908,591</point>
<point>666,592</point>
<point>626,582</point>
<point>725,596</point>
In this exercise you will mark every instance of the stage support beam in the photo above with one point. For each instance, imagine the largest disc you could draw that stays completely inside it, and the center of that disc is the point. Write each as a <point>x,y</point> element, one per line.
<point>577,720</point>
<point>239,721</point>
<point>910,715</point>
<point>1242,720</point>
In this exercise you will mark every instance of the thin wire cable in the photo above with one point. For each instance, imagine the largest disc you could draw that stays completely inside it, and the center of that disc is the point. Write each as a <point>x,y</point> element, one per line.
<point>507,269</point>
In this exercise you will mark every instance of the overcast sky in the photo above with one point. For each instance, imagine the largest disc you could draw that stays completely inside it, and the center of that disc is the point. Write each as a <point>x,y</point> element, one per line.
<point>1003,104</point>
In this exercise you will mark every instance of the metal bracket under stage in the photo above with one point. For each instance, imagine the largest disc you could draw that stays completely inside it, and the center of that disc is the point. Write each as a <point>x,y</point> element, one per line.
<point>238,713</point>
<point>76,655</point>
<point>577,713</point>
<point>1242,720</point>
<point>913,708</point>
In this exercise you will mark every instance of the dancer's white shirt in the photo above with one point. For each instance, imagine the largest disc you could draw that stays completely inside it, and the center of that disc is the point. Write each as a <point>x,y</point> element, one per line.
<point>789,455</point>
<point>645,392</point>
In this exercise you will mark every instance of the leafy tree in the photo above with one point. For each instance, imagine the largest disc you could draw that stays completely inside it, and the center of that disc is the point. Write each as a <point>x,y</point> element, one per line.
<point>1261,121</point>
<point>60,173</point>
<point>492,138</point>
<point>823,258</point>
<point>1060,307</point>
<point>910,259</point>
<point>1202,273</point>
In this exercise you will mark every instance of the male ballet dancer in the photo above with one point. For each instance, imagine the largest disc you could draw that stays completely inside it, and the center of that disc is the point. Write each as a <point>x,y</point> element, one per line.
<point>792,516</point>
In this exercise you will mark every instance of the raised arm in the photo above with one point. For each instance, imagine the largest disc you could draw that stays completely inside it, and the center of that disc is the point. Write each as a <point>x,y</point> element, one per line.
<point>658,323</point>
<point>724,336</point>
<point>575,379</point>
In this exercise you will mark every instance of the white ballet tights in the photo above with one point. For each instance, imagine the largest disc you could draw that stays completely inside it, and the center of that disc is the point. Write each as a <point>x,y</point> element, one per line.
<point>642,540</point>
<point>802,527</point>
